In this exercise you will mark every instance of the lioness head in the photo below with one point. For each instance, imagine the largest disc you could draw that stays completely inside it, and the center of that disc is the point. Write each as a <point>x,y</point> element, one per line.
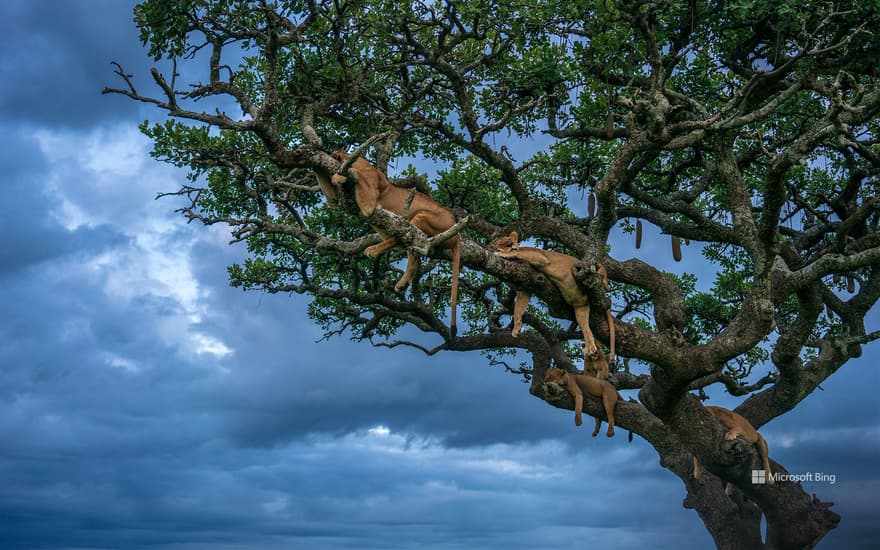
<point>557,376</point>
<point>509,243</point>
<point>597,354</point>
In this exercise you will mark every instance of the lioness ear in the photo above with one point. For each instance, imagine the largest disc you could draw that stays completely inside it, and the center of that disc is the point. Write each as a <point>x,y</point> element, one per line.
<point>514,236</point>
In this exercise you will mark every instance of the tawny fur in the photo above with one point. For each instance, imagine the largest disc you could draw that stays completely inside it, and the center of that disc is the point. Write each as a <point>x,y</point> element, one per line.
<point>373,190</point>
<point>595,364</point>
<point>557,267</point>
<point>576,384</point>
<point>738,426</point>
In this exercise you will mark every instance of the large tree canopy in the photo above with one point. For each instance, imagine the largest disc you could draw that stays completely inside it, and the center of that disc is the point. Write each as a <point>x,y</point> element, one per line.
<point>749,129</point>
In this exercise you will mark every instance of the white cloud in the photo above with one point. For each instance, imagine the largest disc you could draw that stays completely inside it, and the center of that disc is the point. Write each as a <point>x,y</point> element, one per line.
<point>107,179</point>
<point>379,431</point>
<point>205,343</point>
<point>498,460</point>
<point>120,152</point>
<point>123,363</point>
<point>825,436</point>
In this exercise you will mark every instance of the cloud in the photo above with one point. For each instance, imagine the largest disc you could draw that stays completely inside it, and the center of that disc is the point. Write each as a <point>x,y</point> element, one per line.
<point>57,59</point>
<point>104,179</point>
<point>372,488</point>
<point>29,236</point>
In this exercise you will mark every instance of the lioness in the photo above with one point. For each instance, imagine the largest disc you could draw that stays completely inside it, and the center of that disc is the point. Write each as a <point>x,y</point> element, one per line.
<point>557,267</point>
<point>576,384</point>
<point>374,190</point>
<point>738,426</point>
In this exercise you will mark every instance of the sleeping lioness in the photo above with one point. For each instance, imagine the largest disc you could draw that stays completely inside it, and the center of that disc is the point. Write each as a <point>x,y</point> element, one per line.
<point>557,267</point>
<point>576,384</point>
<point>738,426</point>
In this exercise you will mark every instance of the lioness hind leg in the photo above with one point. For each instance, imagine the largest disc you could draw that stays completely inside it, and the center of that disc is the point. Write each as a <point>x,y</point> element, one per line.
<point>609,400</point>
<point>412,264</point>
<point>598,425</point>
<point>574,390</point>
<point>582,314</point>
<point>765,458</point>
<point>519,307</point>
<point>432,223</point>
<point>376,249</point>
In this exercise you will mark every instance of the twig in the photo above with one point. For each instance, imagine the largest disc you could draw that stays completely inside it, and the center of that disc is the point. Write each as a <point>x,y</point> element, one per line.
<point>361,149</point>
<point>420,347</point>
<point>732,385</point>
<point>308,126</point>
<point>408,203</point>
<point>441,238</point>
<point>870,337</point>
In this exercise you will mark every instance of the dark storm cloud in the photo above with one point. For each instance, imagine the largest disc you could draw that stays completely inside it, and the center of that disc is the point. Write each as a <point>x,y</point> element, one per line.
<point>364,498</point>
<point>91,452</point>
<point>272,446</point>
<point>293,386</point>
<point>56,60</point>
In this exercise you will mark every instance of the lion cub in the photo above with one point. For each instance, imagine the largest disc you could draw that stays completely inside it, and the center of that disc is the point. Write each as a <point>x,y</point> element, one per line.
<point>557,267</point>
<point>737,426</point>
<point>576,384</point>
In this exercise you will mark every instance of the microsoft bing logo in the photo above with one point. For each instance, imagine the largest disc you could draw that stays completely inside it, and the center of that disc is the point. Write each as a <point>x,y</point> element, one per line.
<point>761,477</point>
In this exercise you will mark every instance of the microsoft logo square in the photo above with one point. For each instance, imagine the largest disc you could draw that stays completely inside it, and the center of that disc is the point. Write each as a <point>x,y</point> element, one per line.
<point>759,477</point>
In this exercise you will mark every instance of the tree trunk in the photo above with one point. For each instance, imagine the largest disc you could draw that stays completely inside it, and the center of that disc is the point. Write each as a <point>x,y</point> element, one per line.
<point>795,519</point>
<point>733,521</point>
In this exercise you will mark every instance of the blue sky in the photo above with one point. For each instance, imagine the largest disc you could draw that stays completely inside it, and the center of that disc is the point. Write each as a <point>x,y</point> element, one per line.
<point>146,404</point>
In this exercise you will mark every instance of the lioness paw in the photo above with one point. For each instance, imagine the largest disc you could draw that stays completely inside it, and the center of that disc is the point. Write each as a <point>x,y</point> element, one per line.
<point>589,348</point>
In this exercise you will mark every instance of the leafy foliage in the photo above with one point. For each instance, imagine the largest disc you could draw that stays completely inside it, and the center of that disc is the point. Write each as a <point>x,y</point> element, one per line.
<point>727,100</point>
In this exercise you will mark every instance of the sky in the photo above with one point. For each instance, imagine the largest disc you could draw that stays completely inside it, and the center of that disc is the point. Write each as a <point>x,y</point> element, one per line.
<point>144,403</point>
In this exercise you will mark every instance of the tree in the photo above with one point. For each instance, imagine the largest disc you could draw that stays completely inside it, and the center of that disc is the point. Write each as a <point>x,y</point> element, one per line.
<point>748,127</point>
